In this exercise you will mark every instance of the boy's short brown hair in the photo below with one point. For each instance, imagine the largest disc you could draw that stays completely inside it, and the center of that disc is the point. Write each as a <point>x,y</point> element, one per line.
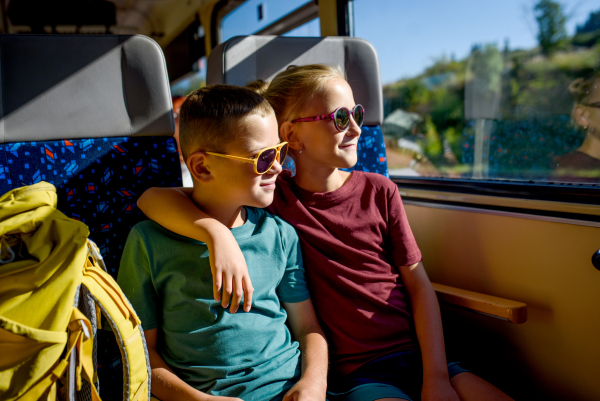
<point>209,117</point>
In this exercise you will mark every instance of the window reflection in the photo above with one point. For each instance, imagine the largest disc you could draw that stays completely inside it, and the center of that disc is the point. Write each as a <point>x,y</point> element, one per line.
<point>499,112</point>
<point>583,163</point>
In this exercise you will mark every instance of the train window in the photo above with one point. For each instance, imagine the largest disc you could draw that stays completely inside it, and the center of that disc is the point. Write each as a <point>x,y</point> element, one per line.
<point>489,90</point>
<point>311,28</point>
<point>253,16</point>
<point>192,81</point>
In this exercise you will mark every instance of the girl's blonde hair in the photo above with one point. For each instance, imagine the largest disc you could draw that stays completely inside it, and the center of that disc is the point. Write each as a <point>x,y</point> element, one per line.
<point>292,90</point>
<point>259,86</point>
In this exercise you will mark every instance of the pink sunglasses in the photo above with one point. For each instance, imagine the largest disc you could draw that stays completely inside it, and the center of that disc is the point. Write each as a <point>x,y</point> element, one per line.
<point>340,117</point>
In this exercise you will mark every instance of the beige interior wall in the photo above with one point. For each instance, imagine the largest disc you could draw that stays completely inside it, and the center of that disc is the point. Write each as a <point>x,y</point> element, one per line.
<point>174,17</point>
<point>544,264</point>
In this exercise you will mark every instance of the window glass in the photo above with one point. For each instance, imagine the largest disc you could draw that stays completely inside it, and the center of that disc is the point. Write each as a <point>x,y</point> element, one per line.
<point>488,90</point>
<point>254,15</point>
<point>192,81</point>
<point>311,28</point>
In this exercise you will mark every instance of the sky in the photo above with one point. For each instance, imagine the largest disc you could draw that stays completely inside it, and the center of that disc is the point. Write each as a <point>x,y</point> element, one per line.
<point>409,35</point>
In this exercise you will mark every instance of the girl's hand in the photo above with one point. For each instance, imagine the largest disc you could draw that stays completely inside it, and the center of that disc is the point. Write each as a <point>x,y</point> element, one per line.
<point>305,391</point>
<point>439,390</point>
<point>229,271</point>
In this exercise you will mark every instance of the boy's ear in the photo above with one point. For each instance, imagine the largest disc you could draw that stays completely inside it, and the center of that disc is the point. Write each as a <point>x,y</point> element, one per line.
<point>196,163</point>
<point>288,134</point>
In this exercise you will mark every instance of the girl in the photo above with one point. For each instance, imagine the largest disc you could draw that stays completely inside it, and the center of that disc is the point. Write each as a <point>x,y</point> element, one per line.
<point>376,305</point>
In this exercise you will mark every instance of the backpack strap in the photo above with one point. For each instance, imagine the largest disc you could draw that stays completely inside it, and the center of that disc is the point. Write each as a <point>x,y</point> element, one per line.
<point>80,338</point>
<point>126,326</point>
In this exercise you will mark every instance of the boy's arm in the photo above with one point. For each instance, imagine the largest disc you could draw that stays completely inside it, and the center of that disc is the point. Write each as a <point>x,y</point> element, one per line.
<point>165,384</point>
<point>428,324</point>
<point>173,209</point>
<point>313,347</point>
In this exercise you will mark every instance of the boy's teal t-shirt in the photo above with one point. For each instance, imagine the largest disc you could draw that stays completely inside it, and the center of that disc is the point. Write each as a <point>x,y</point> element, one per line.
<point>168,280</point>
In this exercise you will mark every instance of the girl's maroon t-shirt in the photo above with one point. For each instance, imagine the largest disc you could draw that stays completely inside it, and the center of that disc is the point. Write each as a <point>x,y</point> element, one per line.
<point>354,240</point>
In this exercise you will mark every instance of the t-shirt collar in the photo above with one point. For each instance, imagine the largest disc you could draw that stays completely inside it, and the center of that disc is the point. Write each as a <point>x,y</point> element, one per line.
<point>342,192</point>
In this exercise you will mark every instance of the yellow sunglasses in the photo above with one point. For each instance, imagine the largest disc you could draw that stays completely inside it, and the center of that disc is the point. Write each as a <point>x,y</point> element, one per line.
<point>264,159</point>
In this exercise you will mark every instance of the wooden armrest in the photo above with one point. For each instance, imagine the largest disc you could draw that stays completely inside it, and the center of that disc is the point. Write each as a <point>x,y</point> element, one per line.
<point>506,309</point>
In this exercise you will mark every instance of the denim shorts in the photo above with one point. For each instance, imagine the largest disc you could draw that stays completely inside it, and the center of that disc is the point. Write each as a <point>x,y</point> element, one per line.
<point>396,375</point>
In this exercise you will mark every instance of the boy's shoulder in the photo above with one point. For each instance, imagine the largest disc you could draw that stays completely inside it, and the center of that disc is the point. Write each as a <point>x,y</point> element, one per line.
<point>148,227</point>
<point>269,218</point>
<point>149,230</point>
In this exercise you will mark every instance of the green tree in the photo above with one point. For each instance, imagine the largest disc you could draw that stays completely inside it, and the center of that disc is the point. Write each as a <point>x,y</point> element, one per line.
<point>551,22</point>
<point>591,25</point>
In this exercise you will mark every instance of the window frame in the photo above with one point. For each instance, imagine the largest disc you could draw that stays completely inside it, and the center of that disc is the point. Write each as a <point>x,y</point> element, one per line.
<point>575,193</point>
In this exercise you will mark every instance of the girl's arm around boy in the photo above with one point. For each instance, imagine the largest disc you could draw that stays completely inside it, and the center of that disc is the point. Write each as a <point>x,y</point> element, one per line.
<point>173,207</point>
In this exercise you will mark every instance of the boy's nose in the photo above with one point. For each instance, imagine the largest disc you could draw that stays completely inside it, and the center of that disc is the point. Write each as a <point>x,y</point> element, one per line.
<point>275,168</point>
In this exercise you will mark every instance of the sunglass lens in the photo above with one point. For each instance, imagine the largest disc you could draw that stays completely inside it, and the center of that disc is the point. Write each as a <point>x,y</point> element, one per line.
<point>359,115</point>
<point>283,153</point>
<point>342,118</point>
<point>265,160</point>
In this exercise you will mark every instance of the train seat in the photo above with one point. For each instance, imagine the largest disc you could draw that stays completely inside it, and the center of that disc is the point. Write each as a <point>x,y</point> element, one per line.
<point>93,116</point>
<point>243,59</point>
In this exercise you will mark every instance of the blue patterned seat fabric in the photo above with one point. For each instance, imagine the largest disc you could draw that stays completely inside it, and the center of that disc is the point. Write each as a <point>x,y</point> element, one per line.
<point>371,152</point>
<point>98,181</point>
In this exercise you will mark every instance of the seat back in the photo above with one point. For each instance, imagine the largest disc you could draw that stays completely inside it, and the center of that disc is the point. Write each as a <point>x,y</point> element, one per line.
<point>243,59</point>
<point>93,116</point>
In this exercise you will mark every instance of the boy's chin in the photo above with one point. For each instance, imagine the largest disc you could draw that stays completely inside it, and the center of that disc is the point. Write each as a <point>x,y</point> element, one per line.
<point>262,201</point>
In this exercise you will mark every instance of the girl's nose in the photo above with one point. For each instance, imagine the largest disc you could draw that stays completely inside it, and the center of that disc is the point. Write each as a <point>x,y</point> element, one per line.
<point>353,128</point>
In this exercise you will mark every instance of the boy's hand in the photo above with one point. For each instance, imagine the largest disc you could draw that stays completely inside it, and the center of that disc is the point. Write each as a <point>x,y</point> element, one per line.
<point>305,391</point>
<point>438,390</point>
<point>229,272</point>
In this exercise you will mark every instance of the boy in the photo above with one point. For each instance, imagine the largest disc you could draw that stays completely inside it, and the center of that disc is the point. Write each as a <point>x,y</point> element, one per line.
<point>198,350</point>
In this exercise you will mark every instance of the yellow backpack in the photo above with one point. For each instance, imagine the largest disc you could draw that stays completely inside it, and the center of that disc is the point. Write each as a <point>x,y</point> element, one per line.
<point>52,293</point>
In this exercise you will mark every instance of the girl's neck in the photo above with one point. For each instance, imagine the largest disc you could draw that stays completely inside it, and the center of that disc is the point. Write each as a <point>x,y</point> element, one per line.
<point>591,146</point>
<point>320,181</point>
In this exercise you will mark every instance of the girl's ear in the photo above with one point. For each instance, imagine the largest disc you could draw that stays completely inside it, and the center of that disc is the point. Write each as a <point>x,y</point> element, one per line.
<point>288,133</point>
<point>199,170</point>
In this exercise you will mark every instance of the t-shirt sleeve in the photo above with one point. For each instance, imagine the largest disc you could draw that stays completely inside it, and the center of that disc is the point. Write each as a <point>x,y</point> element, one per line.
<point>135,279</point>
<point>292,287</point>
<point>404,248</point>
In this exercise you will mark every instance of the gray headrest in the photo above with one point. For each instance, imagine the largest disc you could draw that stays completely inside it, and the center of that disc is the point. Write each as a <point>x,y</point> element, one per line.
<point>247,58</point>
<point>82,86</point>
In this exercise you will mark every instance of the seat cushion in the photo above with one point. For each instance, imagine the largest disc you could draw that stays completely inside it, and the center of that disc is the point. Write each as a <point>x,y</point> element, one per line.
<point>371,152</point>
